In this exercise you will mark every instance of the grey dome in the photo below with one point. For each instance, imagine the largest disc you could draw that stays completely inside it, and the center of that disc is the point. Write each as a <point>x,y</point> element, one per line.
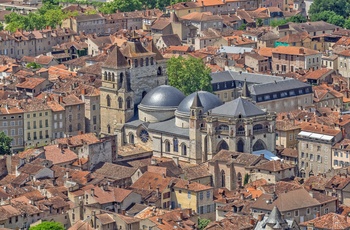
<point>208,100</point>
<point>163,96</point>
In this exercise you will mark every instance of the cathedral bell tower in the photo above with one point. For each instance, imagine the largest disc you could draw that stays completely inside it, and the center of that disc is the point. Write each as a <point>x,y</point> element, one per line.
<point>196,121</point>
<point>116,96</point>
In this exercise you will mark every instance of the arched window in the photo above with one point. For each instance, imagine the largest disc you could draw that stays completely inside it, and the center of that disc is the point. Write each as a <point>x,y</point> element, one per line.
<point>109,76</point>
<point>131,138</point>
<point>108,129</point>
<point>152,61</point>
<point>159,71</point>
<point>167,146</point>
<point>108,99</point>
<point>136,63</point>
<point>176,145</point>
<point>183,149</point>
<point>105,75</point>
<point>141,62</point>
<point>128,103</point>
<point>257,127</point>
<point>240,146</point>
<point>113,77</point>
<point>147,61</point>
<point>121,76</point>
<point>223,179</point>
<point>120,103</point>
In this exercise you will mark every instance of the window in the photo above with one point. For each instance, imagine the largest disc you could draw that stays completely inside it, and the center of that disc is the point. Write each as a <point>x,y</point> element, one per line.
<point>120,103</point>
<point>167,146</point>
<point>296,213</point>
<point>189,194</point>
<point>108,99</point>
<point>184,149</point>
<point>201,195</point>
<point>4,123</point>
<point>176,145</point>
<point>208,194</point>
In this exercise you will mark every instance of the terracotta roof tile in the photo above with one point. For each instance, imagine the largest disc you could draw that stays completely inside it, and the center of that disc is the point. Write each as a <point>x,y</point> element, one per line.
<point>328,221</point>
<point>58,155</point>
<point>294,50</point>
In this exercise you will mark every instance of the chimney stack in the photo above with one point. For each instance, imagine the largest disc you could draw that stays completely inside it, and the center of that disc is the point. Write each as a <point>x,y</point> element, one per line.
<point>92,192</point>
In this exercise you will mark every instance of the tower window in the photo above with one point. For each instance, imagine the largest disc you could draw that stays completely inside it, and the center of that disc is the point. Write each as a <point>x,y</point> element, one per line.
<point>120,103</point>
<point>108,98</point>
<point>128,103</point>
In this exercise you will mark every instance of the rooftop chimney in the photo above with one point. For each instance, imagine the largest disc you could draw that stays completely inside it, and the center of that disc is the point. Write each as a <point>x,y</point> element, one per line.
<point>92,192</point>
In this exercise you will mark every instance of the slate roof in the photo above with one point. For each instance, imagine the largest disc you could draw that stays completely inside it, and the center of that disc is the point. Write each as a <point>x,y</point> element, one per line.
<point>237,107</point>
<point>249,77</point>
<point>313,26</point>
<point>171,40</point>
<point>278,86</point>
<point>163,95</point>
<point>115,59</point>
<point>208,100</point>
<point>168,127</point>
<point>293,200</point>
<point>90,17</point>
<point>114,171</point>
<point>196,172</point>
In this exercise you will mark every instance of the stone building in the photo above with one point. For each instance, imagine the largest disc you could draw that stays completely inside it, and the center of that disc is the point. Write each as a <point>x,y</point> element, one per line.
<point>196,127</point>
<point>290,59</point>
<point>314,148</point>
<point>37,123</point>
<point>12,125</point>
<point>93,23</point>
<point>282,96</point>
<point>128,74</point>
<point>24,43</point>
<point>229,168</point>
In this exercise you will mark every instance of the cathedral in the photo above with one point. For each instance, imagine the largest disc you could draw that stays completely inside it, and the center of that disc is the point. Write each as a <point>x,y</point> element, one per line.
<point>196,127</point>
<point>130,71</point>
<point>138,105</point>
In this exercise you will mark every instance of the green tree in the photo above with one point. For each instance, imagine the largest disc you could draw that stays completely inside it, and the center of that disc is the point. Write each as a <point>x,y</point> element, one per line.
<point>246,178</point>
<point>347,23</point>
<point>202,223</point>
<point>91,11</point>
<point>189,74</point>
<point>242,27</point>
<point>122,5</point>
<point>48,225</point>
<point>330,17</point>
<point>259,22</point>
<point>297,19</point>
<point>5,144</point>
<point>33,65</point>
<point>339,7</point>
<point>276,22</point>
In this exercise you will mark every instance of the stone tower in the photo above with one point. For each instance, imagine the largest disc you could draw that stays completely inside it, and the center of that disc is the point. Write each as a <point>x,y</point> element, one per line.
<point>129,72</point>
<point>196,119</point>
<point>115,94</point>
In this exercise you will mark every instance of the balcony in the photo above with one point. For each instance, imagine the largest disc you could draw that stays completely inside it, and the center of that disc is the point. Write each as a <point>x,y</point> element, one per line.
<point>260,131</point>
<point>240,133</point>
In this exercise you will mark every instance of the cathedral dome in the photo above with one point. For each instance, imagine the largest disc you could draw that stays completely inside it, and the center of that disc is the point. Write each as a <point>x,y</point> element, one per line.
<point>208,100</point>
<point>163,96</point>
